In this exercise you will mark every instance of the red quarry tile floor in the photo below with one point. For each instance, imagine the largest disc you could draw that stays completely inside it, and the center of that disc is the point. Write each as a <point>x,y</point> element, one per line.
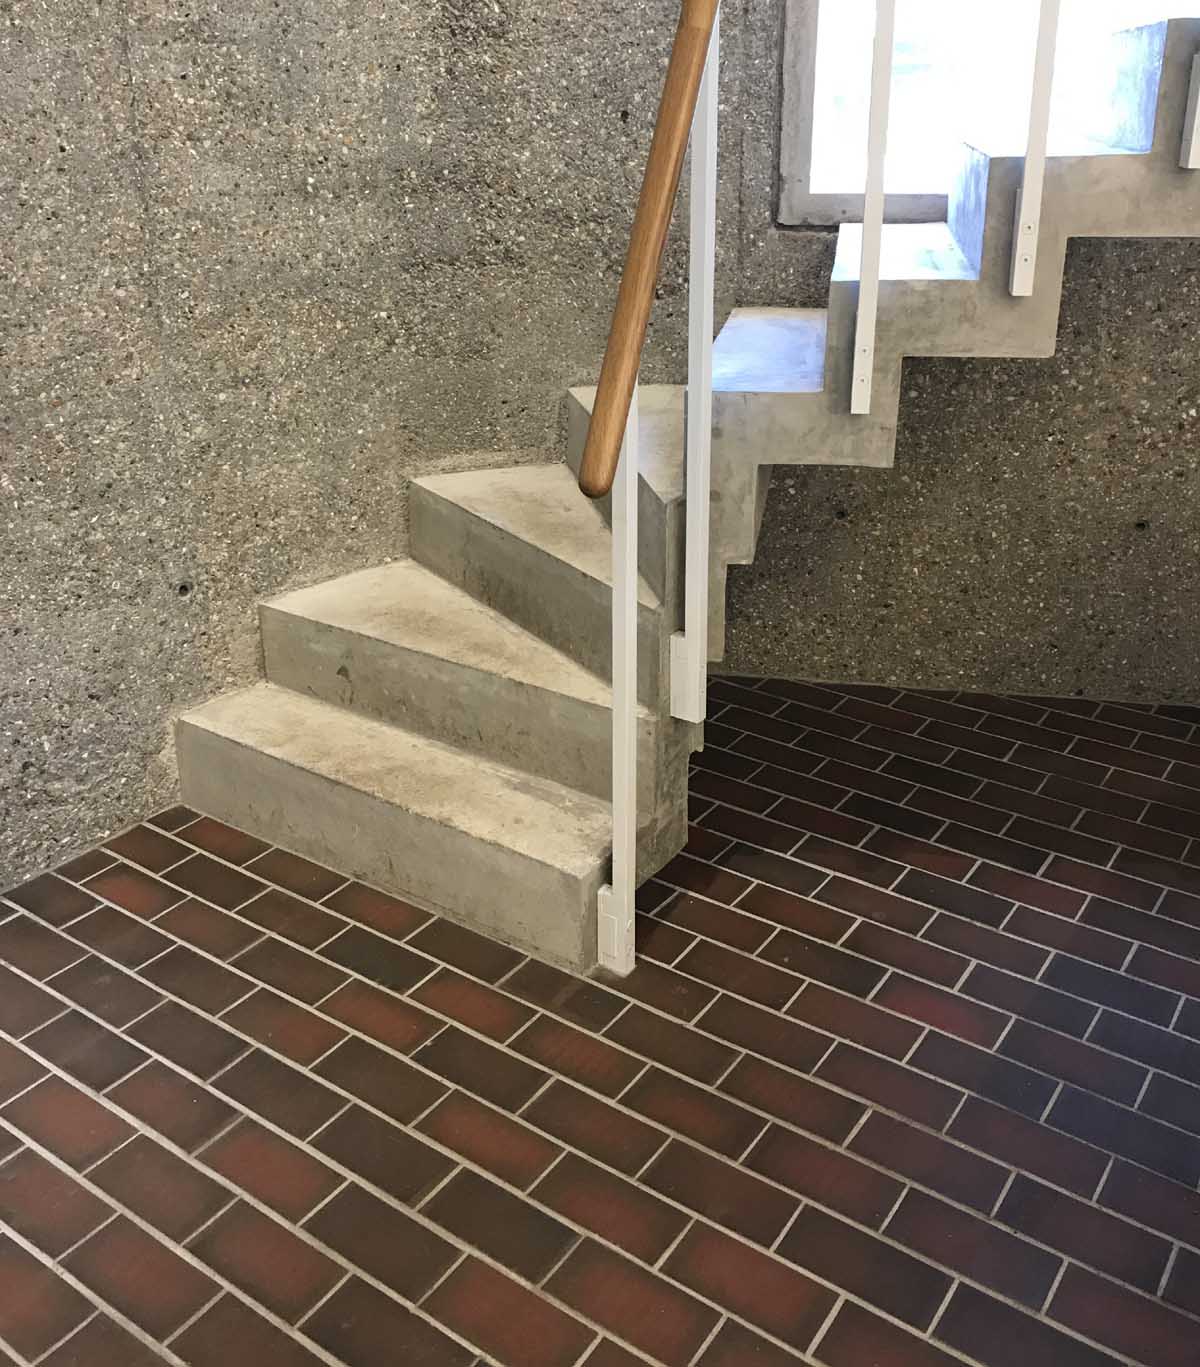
<point>908,1075</point>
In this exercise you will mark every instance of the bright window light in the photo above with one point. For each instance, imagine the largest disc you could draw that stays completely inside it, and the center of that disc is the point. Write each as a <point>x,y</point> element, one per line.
<point>962,68</point>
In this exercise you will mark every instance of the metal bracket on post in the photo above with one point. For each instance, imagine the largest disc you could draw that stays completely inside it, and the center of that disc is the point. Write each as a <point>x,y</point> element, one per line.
<point>1189,158</point>
<point>615,905</point>
<point>689,648</point>
<point>1027,224</point>
<point>863,378</point>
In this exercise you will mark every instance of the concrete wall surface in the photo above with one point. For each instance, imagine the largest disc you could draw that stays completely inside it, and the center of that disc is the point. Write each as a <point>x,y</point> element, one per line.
<point>261,263</point>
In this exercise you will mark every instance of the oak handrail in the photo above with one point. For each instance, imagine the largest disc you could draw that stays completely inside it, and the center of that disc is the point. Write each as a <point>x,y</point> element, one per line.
<point>631,317</point>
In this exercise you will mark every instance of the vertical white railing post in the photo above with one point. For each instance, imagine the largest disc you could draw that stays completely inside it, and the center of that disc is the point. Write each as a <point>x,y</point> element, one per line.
<point>1028,221</point>
<point>616,902</point>
<point>1189,156</point>
<point>689,648</point>
<point>873,205</point>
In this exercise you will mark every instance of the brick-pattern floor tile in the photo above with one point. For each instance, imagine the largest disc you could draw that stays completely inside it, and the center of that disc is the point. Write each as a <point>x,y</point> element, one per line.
<point>908,1073</point>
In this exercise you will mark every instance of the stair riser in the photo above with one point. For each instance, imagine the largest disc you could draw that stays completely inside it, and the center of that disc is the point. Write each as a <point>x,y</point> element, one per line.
<point>569,610</point>
<point>492,889</point>
<point>559,737</point>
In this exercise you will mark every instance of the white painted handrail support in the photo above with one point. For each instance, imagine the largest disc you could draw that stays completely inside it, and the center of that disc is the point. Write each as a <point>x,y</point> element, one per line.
<point>872,239</point>
<point>1028,222</point>
<point>615,927</point>
<point>1189,158</point>
<point>689,648</point>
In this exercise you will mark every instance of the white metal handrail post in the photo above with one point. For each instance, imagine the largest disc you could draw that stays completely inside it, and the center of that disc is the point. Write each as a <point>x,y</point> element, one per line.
<point>873,206</point>
<point>689,648</point>
<point>616,902</point>
<point>1028,221</point>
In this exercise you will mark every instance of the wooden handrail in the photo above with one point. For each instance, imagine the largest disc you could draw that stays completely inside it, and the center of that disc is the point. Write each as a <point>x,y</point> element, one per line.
<point>623,356</point>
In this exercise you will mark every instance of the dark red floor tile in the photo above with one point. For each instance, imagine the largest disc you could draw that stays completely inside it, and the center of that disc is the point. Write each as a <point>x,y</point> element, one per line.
<point>857,1337</point>
<point>812,959</point>
<point>135,891</point>
<point>974,1248</point>
<point>140,1277</point>
<point>732,1346</point>
<point>1023,803</point>
<point>42,1204</point>
<point>82,867</point>
<point>195,1044</point>
<point>464,949</point>
<point>511,1151</point>
<point>1000,1336</point>
<point>381,1153</point>
<point>660,942</point>
<point>233,846</point>
<point>1007,850</point>
<point>1166,970</point>
<point>1183,1285</point>
<point>1162,1049</point>
<point>708,880</point>
<point>1108,988</point>
<point>876,905</point>
<point>725,1194</point>
<point>962,780</point>
<point>198,981</point>
<point>289,917</point>
<point>472,1004</point>
<point>904,952</point>
<point>796,913</point>
<point>618,1211</point>
<point>1103,883</point>
<point>152,1182</point>
<point>1075,1062</point>
<point>1133,1325</point>
<point>955,897</point>
<point>18,1071</point>
<point>951,807</point>
<point>117,936</point>
<point>866,780</point>
<point>1043,839</point>
<point>644,1310</point>
<point>941,1009</point>
<point>230,1334</point>
<point>1136,864</point>
<point>1177,1103</point>
<point>932,858</point>
<point>385,1018</point>
<point>1035,892</point>
<point>577,1000</point>
<point>847,860</point>
<point>1085,1234</point>
<point>894,817</point>
<point>388,915</point>
<point>382,1241</point>
<point>760,1289</point>
<point>1142,837</point>
<point>266,1260</point>
<point>738,973</point>
<point>148,847</point>
<point>1030,1001</point>
<point>71,1125</point>
<point>1055,932</point>
<point>763,1032</point>
<point>930,1161</point>
<point>377,959</point>
<point>1003,951</point>
<point>830,1177</point>
<point>281,1094</point>
<point>208,928</point>
<point>1134,1136</point>
<point>297,875</point>
<point>281,1025</point>
<point>271,1169</point>
<point>985,1074</point>
<point>380,1079</point>
<point>563,1049</point>
<point>700,917</point>
<point>1029,1145</point>
<point>800,1102</point>
<point>512,1325</point>
<point>1153,1201</point>
<point>214,882</point>
<point>693,1111</point>
<point>23,1005</point>
<point>35,949</point>
<point>102,1343</point>
<point>364,1327</point>
<point>665,990</point>
<point>618,1140</point>
<point>289,970</point>
<point>675,1046</point>
<point>731,791</point>
<point>1158,931</point>
<point>890,1085</point>
<point>884,1276</point>
<point>789,875</point>
<point>38,1308</point>
<point>52,899</point>
<point>163,1100</point>
<point>88,1051</point>
<point>481,1068</point>
<point>854,1020</point>
<point>105,991</point>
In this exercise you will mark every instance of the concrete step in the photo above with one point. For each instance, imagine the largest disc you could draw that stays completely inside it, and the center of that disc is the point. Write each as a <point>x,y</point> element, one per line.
<point>512,855</point>
<point>404,646</point>
<point>526,542</point>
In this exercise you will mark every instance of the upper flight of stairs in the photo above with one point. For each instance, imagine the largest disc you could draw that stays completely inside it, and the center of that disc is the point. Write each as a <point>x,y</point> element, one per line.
<point>441,726</point>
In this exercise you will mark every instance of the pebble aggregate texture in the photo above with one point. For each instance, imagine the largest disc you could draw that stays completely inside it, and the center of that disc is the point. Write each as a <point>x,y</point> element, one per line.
<point>263,263</point>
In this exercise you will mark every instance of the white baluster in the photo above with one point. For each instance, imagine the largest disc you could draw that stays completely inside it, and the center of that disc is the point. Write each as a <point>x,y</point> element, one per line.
<point>1028,221</point>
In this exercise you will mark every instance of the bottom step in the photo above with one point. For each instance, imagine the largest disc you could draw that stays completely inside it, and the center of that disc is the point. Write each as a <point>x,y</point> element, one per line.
<point>513,855</point>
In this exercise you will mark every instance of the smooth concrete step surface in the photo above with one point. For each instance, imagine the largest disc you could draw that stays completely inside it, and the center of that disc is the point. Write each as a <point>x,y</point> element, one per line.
<point>771,351</point>
<point>910,251</point>
<point>513,855</point>
<point>404,646</point>
<point>526,542</point>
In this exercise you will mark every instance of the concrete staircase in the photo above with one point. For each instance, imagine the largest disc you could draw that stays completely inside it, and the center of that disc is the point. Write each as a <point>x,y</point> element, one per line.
<point>440,726</point>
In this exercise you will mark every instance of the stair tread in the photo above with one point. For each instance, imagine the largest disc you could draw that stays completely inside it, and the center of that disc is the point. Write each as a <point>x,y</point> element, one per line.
<point>542,505</point>
<point>661,435</point>
<point>911,251</point>
<point>408,606</point>
<point>771,351</point>
<point>537,818</point>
